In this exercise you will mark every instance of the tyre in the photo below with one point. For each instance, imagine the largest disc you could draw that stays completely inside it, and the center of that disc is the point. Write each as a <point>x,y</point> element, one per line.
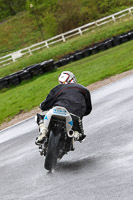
<point>52,152</point>
<point>4,83</point>
<point>13,79</point>
<point>78,55</point>
<point>47,65</point>
<point>108,43</point>
<point>24,75</point>
<point>86,52</point>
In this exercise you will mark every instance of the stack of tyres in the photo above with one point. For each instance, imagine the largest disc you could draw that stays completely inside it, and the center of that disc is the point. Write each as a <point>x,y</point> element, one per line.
<point>94,50</point>
<point>57,64</point>
<point>63,62</point>
<point>71,58</point>
<point>86,52</point>
<point>34,70</point>
<point>68,60</point>
<point>47,65</point>
<point>13,79</point>
<point>24,75</point>
<point>101,46</point>
<point>4,83</point>
<point>116,41</point>
<point>124,38</point>
<point>108,43</point>
<point>130,35</point>
<point>78,55</point>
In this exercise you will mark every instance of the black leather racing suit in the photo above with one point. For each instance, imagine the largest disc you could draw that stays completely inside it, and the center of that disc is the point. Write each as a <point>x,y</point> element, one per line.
<point>74,97</point>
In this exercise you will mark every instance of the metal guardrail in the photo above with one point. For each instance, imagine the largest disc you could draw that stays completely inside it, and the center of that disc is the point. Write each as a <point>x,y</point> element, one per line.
<point>63,37</point>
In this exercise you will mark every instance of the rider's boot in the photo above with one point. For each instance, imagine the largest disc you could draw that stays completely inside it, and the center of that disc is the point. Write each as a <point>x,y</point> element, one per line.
<point>81,131</point>
<point>79,136</point>
<point>42,134</point>
<point>78,129</point>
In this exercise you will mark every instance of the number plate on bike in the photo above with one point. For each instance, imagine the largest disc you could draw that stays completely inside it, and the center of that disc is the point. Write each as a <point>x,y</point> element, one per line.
<point>59,111</point>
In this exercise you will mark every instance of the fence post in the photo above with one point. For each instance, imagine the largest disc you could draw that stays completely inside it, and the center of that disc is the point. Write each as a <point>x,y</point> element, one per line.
<point>63,38</point>
<point>80,32</point>
<point>113,17</point>
<point>96,23</point>
<point>14,60</point>
<point>46,44</point>
<point>130,12</point>
<point>30,51</point>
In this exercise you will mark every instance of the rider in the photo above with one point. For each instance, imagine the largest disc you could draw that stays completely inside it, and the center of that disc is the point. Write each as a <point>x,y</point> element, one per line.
<point>74,97</point>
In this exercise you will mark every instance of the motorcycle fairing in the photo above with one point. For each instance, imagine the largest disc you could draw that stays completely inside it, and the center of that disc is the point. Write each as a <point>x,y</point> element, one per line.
<point>59,111</point>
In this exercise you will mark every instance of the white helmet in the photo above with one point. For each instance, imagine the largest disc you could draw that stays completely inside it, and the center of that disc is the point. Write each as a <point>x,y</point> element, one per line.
<point>67,77</point>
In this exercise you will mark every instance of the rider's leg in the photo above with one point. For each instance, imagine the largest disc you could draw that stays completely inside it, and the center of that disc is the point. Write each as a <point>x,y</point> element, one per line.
<point>42,129</point>
<point>78,128</point>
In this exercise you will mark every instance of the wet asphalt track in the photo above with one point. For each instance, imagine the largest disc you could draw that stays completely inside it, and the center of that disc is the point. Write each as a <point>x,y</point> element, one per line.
<point>101,168</point>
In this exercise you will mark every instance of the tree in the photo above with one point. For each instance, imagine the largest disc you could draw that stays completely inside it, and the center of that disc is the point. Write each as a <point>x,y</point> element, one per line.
<point>11,7</point>
<point>68,15</point>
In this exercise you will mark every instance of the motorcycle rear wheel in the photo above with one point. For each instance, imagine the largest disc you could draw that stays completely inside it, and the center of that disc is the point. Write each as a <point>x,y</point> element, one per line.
<point>52,152</point>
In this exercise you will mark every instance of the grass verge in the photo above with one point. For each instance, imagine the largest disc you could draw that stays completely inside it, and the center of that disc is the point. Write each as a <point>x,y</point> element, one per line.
<point>89,70</point>
<point>77,43</point>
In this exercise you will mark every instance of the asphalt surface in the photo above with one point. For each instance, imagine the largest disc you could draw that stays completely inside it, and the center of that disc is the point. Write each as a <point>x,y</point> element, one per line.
<point>101,168</point>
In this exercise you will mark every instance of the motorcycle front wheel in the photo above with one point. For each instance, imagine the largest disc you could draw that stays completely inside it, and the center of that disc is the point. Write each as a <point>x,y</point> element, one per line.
<point>52,152</point>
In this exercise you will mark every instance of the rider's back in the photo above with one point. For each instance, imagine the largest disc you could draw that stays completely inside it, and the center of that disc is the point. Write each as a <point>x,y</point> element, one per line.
<point>74,97</point>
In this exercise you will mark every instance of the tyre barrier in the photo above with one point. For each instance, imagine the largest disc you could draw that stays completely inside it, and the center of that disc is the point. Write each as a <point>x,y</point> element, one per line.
<point>98,47</point>
<point>47,65</point>
<point>130,35</point>
<point>26,74</point>
<point>3,83</point>
<point>108,43</point>
<point>34,70</point>
<point>38,69</point>
<point>13,79</point>
<point>71,58</point>
<point>94,50</point>
<point>78,55</point>
<point>86,52</point>
<point>64,61</point>
<point>57,64</point>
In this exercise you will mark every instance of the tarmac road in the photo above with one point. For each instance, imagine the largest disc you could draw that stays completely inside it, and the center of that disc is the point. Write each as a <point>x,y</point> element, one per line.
<point>101,168</point>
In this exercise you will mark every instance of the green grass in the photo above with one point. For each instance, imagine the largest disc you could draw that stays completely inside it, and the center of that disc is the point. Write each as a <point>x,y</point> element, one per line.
<point>21,31</point>
<point>77,43</point>
<point>89,70</point>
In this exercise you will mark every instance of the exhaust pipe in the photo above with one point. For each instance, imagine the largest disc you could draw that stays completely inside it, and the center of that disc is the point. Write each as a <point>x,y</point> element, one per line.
<point>70,133</point>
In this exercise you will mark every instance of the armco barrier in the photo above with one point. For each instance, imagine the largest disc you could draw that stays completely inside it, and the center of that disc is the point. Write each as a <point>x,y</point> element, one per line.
<point>38,69</point>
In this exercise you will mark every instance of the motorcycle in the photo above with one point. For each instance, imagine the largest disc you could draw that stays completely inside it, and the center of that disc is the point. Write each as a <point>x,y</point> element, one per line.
<point>60,136</point>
